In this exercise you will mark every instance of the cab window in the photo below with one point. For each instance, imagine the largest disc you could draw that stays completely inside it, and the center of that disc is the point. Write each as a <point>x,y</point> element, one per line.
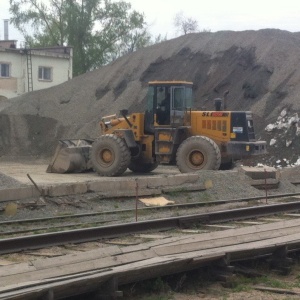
<point>188,97</point>
<point>179,96</point>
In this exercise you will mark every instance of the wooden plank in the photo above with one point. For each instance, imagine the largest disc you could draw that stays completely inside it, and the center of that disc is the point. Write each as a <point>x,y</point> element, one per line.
<point>74,258</point>
<point>270,227</point>
<point>131,268</point>
<point>34,290</point>
<point>121,243</point>
<point>83,266</point>
<point>40,264</point>
<point>127,259</point>
<point>148,245</point>
<point>19,285</point>
<point>135,265</point>
<point>231,249</point>
<point>220,226</point>
<point>276,290</point>
<point>193,231</point>
<point>44,253</point>
<point>16,269</point>
<point>250,222</point>
<point>58,261</point>
<point>134,262</point>
<point>272,219</point>
<point>216,242</point>
<point>60,285</point>
<point>151,236</point>
<point>4,262</point>
<point>293,215</point>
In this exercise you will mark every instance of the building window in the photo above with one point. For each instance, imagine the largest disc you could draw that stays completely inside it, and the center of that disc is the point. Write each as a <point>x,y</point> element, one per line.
<point>45,73</point>
<point>4,69</point>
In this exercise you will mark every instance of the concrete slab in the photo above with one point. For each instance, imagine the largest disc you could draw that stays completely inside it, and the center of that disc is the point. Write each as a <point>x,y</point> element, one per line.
<point>54,185</point>
<point>38,173</point>
<point>66,189</point>
<point>258,173</point>
<point>13,194</point>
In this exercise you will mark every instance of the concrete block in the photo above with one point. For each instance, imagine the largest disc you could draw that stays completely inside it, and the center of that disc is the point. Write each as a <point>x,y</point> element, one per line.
<point>152,182</point>
<point>261,184</point>
<point>110,186</point>
<point>181,179</point>
<point>67,189</point>
<point>258,173</point>
<point>173,180</point>
<point>121,188</point>
<point>18,193</point>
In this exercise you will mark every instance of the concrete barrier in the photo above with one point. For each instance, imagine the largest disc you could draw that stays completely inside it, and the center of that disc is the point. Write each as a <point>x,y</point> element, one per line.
<point>257,173</point>
<point>109,187</point>
<point>13,194</point>
<point>66,189</point>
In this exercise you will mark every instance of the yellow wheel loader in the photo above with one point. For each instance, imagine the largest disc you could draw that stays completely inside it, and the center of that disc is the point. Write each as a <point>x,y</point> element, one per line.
<point>168,132</point>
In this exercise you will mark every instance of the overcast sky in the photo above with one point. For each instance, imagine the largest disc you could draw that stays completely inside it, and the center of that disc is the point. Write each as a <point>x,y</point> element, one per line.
<point>222,14</point>
<point>212,15</point>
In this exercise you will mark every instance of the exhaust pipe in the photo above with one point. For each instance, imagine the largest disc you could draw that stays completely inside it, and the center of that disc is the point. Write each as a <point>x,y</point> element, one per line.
<point>218,104</point>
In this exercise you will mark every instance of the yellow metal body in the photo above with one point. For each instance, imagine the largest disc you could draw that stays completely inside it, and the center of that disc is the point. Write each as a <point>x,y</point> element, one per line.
<point>213,124</point>
<point>137,122</point>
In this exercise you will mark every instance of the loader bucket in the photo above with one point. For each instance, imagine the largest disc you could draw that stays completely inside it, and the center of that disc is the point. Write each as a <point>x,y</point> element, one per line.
<point>71,156</point>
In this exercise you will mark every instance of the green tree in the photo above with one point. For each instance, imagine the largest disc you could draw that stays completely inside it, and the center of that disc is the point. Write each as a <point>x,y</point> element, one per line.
<point>99,30</point>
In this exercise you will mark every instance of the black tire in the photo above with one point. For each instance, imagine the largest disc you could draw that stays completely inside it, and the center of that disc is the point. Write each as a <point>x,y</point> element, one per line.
<point>139,167</point>
<point>198,153</point>
<point>110,155</point>
<point>227,165</point>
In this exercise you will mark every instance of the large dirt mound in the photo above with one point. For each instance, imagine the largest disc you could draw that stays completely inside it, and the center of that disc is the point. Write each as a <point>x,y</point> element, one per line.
<point>259,68</point>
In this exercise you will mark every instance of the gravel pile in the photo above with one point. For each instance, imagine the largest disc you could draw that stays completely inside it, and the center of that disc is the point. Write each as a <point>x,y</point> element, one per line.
<point>223,185</point>
<point>8,182</point>
<point>220,185</point>
<point>257,67</point>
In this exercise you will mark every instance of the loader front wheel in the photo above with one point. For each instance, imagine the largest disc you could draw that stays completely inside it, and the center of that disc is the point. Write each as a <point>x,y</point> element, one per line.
<point>198,153</point>
<point>110,155</point>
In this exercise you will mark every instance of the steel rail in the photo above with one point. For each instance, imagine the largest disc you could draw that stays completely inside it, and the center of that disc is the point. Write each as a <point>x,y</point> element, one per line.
<point>181,205</point>
<point>97,233</point>
<point>45,229</point>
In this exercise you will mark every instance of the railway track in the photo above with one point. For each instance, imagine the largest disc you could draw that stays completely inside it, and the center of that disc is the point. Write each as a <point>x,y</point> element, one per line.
<point>36,241</point>
<point>59,223</point>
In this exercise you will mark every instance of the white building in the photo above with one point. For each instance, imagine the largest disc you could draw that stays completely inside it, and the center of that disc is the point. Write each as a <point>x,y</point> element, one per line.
<point>23,70</point>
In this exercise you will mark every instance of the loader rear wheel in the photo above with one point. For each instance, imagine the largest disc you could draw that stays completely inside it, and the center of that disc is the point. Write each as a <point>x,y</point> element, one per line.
<point>198,153</point>
<point>110,155</point>
<point>140,167</point>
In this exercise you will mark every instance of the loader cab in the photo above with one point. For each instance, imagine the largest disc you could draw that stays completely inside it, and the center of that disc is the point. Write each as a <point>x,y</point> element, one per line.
<point>167,103</point>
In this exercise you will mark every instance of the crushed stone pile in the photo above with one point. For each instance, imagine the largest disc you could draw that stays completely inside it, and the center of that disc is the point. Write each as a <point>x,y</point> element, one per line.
<point>291,173</point>
<point>259,68</point>
<point>8,182</point>
<point>227,185</point>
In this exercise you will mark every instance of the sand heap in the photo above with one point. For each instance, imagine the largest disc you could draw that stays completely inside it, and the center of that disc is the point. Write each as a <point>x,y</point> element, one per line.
<point>259,68</point>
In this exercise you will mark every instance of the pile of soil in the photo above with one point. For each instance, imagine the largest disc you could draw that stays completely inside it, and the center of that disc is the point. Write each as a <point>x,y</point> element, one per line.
<point>259,68</point>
